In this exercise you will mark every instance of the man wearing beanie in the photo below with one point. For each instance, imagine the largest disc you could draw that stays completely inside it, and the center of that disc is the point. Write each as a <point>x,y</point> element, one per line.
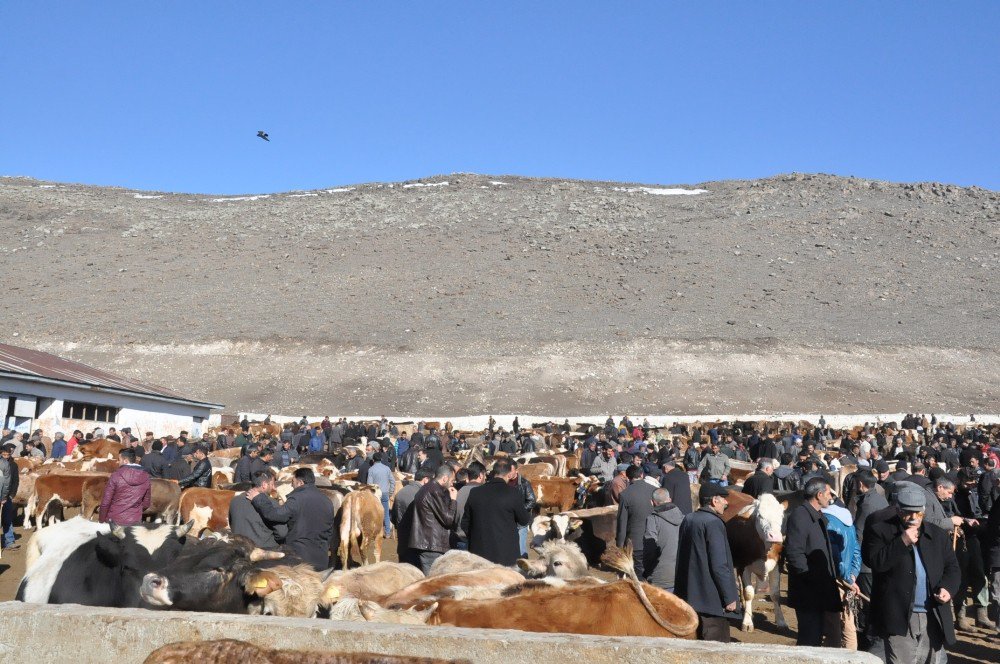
<point>914,575</point>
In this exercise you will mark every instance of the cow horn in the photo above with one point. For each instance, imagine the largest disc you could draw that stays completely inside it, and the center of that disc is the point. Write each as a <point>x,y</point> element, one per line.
<point>185,529</point>
<point>259,554</point>
<point>118,531</point>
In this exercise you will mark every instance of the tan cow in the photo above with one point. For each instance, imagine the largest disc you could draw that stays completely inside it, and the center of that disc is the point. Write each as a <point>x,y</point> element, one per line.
<point>558,494</point>
<point>294,591</point>
<point>223,651</point>
<point>165,497</point>
<point>361,524</point>
<point>371,582</point>
<point>435,586</point>
<point>455,561</point>
<point>100,448</point>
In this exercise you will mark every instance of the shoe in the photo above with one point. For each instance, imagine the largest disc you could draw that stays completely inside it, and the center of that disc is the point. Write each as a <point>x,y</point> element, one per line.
<point>983,619</point>
<point>962,621</point>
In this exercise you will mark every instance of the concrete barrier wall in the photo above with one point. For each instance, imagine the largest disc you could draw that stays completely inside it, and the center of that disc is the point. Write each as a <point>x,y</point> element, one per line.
<point>83,634</point>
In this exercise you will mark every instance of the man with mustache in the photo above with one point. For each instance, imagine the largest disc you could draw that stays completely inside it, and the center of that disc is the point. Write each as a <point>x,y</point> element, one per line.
<point>914,575</point>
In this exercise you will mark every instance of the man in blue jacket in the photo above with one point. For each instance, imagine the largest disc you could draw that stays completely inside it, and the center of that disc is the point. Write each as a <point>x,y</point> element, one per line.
<point>840,630</point>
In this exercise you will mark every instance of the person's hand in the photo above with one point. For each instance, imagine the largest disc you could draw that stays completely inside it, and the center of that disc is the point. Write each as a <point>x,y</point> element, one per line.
<point>972,522</point>
<point>452,492</point>
<point>942,595</point>
<point>252,493</point>
<point>957,520</point>
<point>911,535</point>
<point>855,589</point>
<point>731,606</point>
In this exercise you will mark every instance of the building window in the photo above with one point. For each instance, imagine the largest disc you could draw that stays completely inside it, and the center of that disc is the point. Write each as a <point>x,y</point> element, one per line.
<point>75,410</point>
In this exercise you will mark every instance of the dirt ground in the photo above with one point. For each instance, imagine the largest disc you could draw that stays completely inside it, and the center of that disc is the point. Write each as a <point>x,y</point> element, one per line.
<point>976,647</point>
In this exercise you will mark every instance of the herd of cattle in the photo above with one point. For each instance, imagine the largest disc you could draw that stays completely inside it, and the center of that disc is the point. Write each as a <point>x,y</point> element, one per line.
<point>183,558</point>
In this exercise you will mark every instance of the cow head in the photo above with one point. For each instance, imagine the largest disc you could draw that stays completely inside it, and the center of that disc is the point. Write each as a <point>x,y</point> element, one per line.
<point>415,615</point>
<point>212,575</point>
<point>553,527</point>
<point>768,516</point>
<point>563,560</point>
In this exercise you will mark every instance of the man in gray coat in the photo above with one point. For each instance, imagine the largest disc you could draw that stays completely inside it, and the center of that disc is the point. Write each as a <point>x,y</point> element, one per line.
<point>634,504</point>
<point>663,527</point>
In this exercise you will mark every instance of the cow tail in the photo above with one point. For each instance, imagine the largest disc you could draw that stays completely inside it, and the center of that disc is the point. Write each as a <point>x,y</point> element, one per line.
<point>654,614</point>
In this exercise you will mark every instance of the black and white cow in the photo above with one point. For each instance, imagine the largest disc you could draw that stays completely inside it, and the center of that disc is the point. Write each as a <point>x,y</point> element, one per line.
<point>213,575</point>
<point>80,562</point>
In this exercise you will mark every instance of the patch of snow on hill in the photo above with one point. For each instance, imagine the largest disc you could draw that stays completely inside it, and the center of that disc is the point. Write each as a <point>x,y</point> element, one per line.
<point>303,195</point>
<point>338,190</point>
<point>425,184</point>
<point>240,198</point>
<point>148,196</point>
<point>661,192</point>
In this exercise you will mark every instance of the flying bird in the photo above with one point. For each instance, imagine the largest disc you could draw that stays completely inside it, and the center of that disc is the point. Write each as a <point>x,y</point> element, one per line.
<point>263,134</point>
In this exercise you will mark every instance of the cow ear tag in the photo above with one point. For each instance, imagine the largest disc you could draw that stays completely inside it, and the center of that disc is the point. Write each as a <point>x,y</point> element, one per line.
<point>261,584</point>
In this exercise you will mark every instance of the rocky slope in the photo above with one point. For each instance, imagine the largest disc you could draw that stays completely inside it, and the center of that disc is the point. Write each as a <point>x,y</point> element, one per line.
<point>797,292</point>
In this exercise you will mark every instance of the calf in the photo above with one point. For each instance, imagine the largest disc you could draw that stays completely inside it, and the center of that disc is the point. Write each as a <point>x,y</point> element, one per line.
<point>297,591</point>
<point>360,523</point>
<point>53,492</point>
<point>208,508</point>
<point>562,560</point>
<point>100,448</point>
<point>559,494</point>
<point>455,561</point>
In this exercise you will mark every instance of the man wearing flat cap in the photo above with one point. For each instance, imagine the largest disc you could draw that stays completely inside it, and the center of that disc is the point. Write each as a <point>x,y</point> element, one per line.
<point>914,575</point>
<point>704,577</point>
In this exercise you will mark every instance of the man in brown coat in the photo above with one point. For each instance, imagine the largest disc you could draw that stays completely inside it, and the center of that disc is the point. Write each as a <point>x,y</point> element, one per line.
<point>435,513</point>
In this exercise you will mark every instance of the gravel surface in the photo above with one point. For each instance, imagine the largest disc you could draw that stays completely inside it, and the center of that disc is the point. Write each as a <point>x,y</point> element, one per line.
<point>509,294</point>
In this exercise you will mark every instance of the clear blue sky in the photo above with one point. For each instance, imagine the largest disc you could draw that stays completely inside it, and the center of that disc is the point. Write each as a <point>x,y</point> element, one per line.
<point>170,95</point>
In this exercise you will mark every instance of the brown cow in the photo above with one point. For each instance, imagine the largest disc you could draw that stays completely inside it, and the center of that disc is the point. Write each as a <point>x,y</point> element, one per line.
<point>361,524</point>
<point>622,608</point>
<point>436,586</point>
<point>99,448</point>
<point>165,497</point>
<point>209,508</point>
<point>558,494</point>
<point>533,471</point>
<point>231,651</point>
<point>63,489</point>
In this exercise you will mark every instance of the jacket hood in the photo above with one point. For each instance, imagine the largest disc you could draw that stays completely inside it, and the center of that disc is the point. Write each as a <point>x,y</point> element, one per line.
<point>841,513</point>
<point>669,513</point>
<point>783,471</point>
<point>133,475</point>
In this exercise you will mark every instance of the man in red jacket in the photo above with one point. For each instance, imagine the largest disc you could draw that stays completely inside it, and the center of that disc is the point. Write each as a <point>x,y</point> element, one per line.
<point>127,493</point>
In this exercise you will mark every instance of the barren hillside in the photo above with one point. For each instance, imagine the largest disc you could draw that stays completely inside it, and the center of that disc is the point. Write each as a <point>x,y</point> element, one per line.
<point>466,293</point>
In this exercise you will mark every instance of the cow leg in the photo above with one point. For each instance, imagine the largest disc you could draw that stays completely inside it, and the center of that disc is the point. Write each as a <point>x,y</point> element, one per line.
<point>377,548</point>
<point>774,581</point>
<point>746,577</point>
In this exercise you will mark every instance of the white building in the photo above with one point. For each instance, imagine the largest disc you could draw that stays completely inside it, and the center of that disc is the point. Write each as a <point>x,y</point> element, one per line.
<point>42,391</point>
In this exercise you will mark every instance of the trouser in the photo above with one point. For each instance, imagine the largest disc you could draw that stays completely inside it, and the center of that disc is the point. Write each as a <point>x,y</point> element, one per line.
<point>426,559</point>
<point>719,481</point>
<point>839,630</point>
<point>920,645</point>
<point>810,627</point>
<point>995,591</point>
<point>713,628</point>
<point>637,564</point>
<point>868,640</point>
<point>522,539</point>
<point>970,561</point>
<point>7,522</point>
<point>386,517</point>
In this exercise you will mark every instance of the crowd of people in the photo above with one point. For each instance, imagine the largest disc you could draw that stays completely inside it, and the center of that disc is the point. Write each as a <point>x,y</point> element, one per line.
<point>884,560</point>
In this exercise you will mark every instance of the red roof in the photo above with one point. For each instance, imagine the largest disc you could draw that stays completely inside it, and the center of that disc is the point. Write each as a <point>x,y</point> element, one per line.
<point>36,364</point>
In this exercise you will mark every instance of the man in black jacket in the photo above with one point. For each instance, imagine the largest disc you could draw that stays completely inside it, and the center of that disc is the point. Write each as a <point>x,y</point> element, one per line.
<point>153,462</point>
<point>634,504</point>
<point>201,475</point>
<point>434,516</point>
<point>761,481</point>
<point>914,574</point>
<point>705,578</point>
<point>493,514</point>
<point>812,576</point>
<point>677,483</point>
<point>309,516</point>
<point>529,499</point>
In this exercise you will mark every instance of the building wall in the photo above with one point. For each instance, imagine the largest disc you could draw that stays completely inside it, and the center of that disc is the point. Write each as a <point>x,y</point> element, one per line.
<point>141,414</point>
